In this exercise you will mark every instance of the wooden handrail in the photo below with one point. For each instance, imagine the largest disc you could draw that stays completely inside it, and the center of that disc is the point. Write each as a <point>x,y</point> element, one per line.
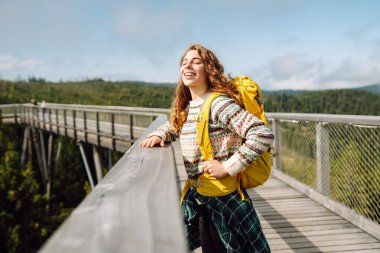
<point>134,208</point>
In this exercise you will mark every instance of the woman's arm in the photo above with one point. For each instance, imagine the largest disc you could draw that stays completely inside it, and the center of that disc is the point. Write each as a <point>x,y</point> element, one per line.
<point>258,137</point>
<point>163,134</point>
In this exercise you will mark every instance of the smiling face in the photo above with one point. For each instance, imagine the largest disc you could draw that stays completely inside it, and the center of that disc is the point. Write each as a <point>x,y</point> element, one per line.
<point>193,73</point>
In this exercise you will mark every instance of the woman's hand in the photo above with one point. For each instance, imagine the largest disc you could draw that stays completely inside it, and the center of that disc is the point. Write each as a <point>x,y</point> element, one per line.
<point>215,169</point>
<point>152,141</point>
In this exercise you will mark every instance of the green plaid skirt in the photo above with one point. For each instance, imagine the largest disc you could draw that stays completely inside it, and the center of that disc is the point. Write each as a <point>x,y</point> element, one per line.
<point>235,221</point>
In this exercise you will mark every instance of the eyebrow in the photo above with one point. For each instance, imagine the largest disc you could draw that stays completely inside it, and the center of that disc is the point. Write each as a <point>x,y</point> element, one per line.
<point>194,58</point>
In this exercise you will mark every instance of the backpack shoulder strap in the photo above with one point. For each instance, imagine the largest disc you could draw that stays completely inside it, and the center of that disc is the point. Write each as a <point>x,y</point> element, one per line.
<point>203,136</point>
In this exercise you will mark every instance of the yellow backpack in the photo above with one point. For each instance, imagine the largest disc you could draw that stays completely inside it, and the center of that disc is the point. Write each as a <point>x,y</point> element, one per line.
<point>256,173</point>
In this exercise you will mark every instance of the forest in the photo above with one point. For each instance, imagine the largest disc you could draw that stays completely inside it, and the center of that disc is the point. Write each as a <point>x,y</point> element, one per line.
<point>28,216</point>
<point>130,93</point>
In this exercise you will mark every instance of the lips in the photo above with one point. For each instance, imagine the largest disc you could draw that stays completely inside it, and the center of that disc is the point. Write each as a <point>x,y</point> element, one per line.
<point>189,74</point>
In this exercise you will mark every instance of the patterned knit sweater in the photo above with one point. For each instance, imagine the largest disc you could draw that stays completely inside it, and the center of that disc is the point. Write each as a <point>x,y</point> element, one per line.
<point>229,125</point>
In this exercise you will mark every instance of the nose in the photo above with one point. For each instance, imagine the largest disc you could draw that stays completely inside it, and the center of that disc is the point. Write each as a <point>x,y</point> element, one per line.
<point>187,64</point>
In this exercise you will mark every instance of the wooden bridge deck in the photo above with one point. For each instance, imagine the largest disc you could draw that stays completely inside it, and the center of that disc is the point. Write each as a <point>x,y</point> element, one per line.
<point>292,222</point>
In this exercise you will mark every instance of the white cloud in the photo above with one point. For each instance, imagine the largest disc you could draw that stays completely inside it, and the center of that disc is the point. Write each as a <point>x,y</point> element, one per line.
<point>292,66</point>
<point>8,62</point>
<point>289,71</point>
<point>354,72</point>
<point>297,71</point>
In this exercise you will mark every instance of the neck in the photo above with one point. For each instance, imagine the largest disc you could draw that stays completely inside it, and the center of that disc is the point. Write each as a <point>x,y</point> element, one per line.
<point>197,92</point>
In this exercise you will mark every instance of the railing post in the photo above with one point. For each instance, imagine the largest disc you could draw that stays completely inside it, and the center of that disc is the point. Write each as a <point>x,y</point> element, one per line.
<point>85,125</point>
<point>74,124</point>
<point>97,128</point>
<point>113,130</point>
<point>57,120</point>
<point>50,123</point>
<point>277,144</point>
<point>21,114</point>
<point>38,117</point>
<point>64,121</point>
<point>110,158</point>
<point>15,114</point>
<point>28,113</point>
<point>43,109</point>
<point>323,157</point>
<point>131,127</point>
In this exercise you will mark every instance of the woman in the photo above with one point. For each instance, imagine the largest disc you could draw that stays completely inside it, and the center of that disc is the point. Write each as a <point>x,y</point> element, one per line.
<point>238,139</point>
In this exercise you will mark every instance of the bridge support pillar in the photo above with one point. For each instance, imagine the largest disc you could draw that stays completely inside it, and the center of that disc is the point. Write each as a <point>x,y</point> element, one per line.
<point>98,163</point>
<point>43,156</point>
<point>36,144</point>
<point>50,166</point>
<point>25,142</point>
<point>59,150</point>
<point>88,171</point>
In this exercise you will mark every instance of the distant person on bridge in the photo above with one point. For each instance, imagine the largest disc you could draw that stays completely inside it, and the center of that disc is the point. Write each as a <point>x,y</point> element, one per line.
<point>218,223</point>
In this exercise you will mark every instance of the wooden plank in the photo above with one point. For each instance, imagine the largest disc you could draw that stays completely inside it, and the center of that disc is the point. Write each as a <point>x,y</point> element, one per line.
<point>320,228</point>
<point>335,242</point>
<point>365,251</point>
<point>307,220</point>
<point>364,223</point>
<point>285,224</point>
<point>295,223</point>
<point>346,248</point>
<point>321,238</point>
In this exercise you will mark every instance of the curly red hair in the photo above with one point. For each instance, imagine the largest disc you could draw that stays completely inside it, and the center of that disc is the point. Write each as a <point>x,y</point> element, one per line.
<point>217,81</point>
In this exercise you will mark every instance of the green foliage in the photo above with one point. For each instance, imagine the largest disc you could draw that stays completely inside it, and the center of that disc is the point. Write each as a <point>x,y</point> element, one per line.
<point>355,102</point>
<point>27,216</point>
<point>100,92</point>
<point>22,206</point>
<point>96,92</point>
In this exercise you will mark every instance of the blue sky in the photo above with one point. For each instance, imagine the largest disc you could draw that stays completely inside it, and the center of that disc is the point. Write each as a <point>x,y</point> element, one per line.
<point>282,44</point>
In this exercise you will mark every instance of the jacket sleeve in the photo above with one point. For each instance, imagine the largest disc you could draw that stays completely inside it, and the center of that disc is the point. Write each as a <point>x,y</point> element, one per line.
<point>258,137</point>
<point>165,132</point>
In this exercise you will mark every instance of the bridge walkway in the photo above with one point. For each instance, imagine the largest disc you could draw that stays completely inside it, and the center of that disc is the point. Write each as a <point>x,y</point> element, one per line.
<point>292,222</point>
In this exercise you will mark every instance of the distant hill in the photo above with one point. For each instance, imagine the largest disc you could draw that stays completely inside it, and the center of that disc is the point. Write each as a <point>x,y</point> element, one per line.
<point>360,101</point>
<point>165,84</point>
<point>287,91</point>
<point>374,88</point>
<point>339,101</point>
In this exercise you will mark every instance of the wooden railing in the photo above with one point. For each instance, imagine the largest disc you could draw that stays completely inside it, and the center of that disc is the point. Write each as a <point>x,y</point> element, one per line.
<point>112,127</point>
<point>135,208</point>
